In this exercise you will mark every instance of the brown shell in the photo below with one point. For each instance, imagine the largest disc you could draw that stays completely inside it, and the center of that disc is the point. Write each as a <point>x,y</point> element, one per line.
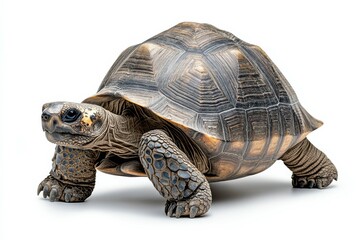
<point>224,93</point>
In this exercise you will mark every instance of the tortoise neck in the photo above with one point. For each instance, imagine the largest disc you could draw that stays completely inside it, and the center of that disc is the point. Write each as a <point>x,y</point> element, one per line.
<point>119,137</point>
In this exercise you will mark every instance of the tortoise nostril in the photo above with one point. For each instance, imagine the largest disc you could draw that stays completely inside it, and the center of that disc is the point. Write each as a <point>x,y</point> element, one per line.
<point>45,116</point>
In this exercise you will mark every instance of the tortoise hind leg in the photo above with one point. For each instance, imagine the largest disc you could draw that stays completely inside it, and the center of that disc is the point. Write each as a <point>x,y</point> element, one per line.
<point>310,167</point>
<point>183,186</point>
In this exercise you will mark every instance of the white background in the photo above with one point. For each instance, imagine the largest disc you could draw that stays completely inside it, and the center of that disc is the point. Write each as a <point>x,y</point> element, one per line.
<point>61,50</point>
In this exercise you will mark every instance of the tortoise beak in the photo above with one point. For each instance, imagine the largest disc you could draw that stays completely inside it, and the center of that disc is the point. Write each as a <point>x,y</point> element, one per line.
<point>50,122</point>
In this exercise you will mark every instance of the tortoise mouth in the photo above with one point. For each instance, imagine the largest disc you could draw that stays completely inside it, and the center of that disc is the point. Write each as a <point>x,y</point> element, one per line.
<point>67,139</point>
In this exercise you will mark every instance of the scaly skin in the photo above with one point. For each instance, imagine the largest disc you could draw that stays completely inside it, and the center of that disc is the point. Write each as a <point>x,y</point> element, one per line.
<point>72,177</point>
<point>183,186</point>
<point>82,131</point>
<point>311,168</point>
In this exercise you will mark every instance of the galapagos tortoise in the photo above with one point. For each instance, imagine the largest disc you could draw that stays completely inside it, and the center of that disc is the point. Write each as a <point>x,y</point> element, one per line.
<point>189,106</point>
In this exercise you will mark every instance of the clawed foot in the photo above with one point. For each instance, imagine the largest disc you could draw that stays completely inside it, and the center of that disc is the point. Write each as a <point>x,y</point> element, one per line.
<point>58,191</point>
<point>320,180</point>
<point>197,205</point>
<point>184,208</point>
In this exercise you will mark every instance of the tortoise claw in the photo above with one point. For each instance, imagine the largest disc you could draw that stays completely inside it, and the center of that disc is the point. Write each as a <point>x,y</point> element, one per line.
<point>59,191</point>
<point>196,205</point>
<point>312,182</point>
<point>40,188</point>
<point>170,208</point>
<point>189,207</point>
<point>193,211</point>
<point>68,196</point>
<point>53,194</point>
<point>179,211</point>
<point>46,191</point>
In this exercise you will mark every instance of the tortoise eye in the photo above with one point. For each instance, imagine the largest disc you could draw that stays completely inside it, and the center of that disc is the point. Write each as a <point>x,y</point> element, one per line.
<point>71,115</point>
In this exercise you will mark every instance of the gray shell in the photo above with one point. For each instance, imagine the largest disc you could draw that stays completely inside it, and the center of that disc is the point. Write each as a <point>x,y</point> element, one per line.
<point>224,93</point>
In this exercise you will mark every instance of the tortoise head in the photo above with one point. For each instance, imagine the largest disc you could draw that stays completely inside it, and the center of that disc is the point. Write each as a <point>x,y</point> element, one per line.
<point>72,124</point>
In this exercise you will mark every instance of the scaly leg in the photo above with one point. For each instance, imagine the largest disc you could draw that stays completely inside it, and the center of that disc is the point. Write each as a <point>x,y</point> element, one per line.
<point>185,188</point>
<point>310,167</point>
<point>72,177</point>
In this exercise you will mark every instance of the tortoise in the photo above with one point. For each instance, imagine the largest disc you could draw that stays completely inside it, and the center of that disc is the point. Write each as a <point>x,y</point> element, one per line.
<point>191,105</point>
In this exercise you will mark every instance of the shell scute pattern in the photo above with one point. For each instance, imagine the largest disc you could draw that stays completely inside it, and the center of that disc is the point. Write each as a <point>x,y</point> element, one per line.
<point>224,93</point>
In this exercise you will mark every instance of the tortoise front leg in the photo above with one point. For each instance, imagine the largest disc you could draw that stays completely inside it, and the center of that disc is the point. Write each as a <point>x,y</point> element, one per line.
<point>72,177</point>
<point>185,188</point>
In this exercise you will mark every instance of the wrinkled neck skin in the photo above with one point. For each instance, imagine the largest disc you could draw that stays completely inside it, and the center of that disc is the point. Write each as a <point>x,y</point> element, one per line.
<point>118,136</point>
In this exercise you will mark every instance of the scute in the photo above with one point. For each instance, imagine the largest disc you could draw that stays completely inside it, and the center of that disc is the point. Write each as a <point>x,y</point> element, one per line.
<point>193,74</point>
<point>224,93</point>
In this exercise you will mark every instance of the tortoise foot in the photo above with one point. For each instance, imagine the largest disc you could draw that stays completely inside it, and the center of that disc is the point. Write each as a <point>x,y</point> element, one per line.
<point>59,191</point>
<point>196,205</point>
<point>321,179</point>
<point>175,177</point>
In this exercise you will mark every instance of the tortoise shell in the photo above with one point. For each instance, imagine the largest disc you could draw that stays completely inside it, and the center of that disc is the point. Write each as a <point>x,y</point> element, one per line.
<point>225,94</point>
